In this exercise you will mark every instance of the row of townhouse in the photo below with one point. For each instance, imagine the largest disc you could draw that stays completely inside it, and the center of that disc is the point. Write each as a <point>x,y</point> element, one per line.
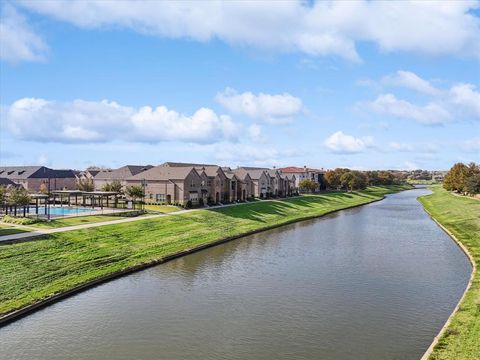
<point>183,182</point>
<point>172,182</point>
<point>175,182</point>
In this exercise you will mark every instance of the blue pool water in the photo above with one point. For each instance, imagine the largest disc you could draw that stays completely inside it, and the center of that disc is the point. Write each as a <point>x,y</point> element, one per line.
<point>61,211</point>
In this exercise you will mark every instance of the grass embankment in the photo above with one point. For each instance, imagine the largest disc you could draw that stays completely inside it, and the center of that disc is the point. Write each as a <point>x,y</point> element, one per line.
<point>32,271</point>
<point>164,209</point>
<point>70,221</point>
<point>10,230</point>
<point>461,216</point>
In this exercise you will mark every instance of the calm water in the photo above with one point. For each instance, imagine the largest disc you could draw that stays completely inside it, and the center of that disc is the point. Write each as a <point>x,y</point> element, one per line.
<point>375,282</point>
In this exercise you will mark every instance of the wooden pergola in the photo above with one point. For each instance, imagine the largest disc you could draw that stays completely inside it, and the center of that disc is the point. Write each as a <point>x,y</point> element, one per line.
<point>37,198</point>
<point>95,198</point>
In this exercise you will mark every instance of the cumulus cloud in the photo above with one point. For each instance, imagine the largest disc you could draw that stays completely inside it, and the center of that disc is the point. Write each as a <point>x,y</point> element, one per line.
<point>321,28</point>
<point>430,114</point>
<point>90,121</point>
<point>255,132</point>
<point>464,95</point>
<point>411,81</point>
<point>275,109</point>
<point>18,41</point>
<point>342,143</point>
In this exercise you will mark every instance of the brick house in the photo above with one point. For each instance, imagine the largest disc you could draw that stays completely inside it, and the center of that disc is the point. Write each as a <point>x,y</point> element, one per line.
<point>262,187</point>
<point>104,176</point>
<point>170,184</point>
<point>218,183</point>
<point>300,173</point>
<point>39,178</point>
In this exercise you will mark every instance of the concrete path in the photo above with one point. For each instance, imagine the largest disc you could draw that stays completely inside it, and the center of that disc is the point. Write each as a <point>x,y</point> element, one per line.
<point>36,232</point>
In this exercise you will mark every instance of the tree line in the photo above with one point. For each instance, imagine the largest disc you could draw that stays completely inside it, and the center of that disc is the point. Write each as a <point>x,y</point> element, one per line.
<point>463,179</point>
<point>351,180</point>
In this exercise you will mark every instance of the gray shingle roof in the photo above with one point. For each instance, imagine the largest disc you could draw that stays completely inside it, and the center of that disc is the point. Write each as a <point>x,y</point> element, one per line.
<point>164,173</point>
<point>122,173</point>
<point>27,172</point>
<point>255,173</point>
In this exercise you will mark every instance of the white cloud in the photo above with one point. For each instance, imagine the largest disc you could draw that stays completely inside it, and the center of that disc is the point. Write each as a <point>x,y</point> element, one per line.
<point>321,28</point>
<point>464,95</point>
<point>347,144</point>
<point>430,114</point>
<point>411,81</point>
<point>90,121</point>
<point>255,132</point>
<point>275,109</point>
<point>18,41</point>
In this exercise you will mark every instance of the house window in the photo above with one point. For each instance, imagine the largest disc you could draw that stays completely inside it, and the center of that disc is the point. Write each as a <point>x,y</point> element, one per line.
<point>160,197</point>
<point>209,183</point>
<point>192,184</point>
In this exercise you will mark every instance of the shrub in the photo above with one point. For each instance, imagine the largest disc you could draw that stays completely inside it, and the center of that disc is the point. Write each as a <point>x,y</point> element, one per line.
<point>189,204</point>
<point>200,202</point>
<point>20,221</point>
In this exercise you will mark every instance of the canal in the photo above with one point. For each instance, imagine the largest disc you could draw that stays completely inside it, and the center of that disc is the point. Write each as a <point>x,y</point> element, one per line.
<point>375,283</point>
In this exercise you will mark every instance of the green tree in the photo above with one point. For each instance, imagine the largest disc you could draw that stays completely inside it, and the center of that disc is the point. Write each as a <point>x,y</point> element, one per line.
<point>455,180</point>
<point>115,186</point>
<point>332,177</point>
<point>353,180</point>
<point>472,184</point>
<point>19,197</point>
<point>308,185</point>
<point>135,192</point>
<point>3,194</point>
<point>85,184</point>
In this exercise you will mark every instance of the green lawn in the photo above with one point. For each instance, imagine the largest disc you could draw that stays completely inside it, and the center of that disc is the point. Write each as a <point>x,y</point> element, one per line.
<point>10,230</point>
<point>461,216</point>
<point>36,270</point>
<point>164,209</point>
<point>69,221</point>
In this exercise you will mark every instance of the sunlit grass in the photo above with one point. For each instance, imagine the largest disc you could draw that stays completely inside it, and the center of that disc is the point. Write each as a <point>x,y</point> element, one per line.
<point>461,216</point>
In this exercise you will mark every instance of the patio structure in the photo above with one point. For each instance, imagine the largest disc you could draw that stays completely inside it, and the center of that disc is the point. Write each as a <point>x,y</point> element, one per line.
<point>88,198</point>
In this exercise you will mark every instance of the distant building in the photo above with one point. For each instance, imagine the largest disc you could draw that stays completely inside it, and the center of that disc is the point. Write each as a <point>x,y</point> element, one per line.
<point>303,173</point>
<point>102,177</point>
<point>39,178</point>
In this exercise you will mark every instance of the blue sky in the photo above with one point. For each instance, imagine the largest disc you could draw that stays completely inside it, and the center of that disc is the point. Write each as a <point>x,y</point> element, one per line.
<point>365,85</point>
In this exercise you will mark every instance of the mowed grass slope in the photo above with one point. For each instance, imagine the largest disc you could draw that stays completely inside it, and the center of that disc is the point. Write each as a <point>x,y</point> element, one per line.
<point>32,271</point>
<point>10,230</point>
<point>461,216</point>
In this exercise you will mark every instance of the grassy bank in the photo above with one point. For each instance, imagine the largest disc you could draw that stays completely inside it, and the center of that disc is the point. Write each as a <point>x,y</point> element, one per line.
<point>10,230</point>
<point>32,271</point>
<point>461,216</point>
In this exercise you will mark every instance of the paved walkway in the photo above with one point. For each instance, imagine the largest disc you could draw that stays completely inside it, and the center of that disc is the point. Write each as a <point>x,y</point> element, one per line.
<point>34,232</point>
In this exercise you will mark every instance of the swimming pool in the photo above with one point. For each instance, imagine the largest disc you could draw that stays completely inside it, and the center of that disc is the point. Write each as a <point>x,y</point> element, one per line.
<point>62,211</point>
